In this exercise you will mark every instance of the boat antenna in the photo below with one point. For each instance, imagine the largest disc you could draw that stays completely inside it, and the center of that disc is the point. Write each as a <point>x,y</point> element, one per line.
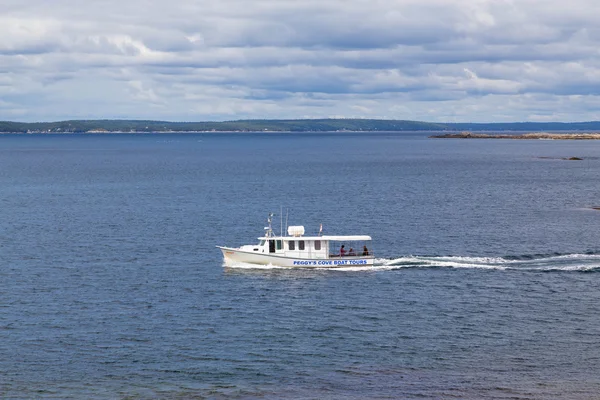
<point>281,221</point>
<point>287,212</point>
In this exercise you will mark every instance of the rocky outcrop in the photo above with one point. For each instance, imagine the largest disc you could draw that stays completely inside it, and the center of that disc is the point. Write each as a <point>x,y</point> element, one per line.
<point>529,136</point>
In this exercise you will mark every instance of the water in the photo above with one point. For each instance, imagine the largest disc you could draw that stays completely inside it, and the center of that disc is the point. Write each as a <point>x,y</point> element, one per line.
<point>485,286</point>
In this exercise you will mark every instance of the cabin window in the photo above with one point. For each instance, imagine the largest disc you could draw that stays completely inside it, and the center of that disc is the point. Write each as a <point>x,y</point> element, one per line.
<point>279,244</point>
<point>300,244</point>
<point>317,245</point>
<point>262,243</point>
<point>291,245</point>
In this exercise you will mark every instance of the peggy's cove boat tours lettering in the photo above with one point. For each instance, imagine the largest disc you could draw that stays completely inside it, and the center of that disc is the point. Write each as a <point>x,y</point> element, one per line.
<point>297,250</point>
<point>329,263</point>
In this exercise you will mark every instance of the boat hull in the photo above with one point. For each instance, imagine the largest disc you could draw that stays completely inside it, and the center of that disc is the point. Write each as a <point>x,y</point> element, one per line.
<point>233,256</point>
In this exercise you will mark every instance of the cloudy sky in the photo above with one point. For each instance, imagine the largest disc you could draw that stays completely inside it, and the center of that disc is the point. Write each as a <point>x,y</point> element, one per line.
<point>197,60</point>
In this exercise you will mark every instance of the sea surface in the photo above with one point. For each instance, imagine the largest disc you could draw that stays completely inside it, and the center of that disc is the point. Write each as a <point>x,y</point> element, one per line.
<point>486,284</point>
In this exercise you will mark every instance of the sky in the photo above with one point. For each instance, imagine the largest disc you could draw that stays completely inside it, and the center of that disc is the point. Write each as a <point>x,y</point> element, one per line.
<point>201,60</point>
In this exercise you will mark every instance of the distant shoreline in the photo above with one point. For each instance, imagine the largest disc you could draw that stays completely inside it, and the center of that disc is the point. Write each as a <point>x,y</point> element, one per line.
<point>525,136</point>
<point>566,135</point>
<point>292,125</point>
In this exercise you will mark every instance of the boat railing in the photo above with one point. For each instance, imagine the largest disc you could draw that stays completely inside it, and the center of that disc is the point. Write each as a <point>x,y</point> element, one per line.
<point>348,255</point>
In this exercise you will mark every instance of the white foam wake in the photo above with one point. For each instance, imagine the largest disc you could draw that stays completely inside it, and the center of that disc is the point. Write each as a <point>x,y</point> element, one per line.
<point>449,261</point>
<point>565,262</point>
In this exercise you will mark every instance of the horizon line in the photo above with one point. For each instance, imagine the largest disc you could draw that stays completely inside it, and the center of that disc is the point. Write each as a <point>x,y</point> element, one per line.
<point>293,119</point>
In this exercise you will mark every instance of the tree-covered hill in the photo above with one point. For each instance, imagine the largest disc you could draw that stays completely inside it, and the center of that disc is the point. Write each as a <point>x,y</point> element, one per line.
<point>291,125</point>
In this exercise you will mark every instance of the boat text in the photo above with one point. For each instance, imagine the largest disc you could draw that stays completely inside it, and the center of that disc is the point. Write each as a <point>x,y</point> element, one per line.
<point>331,262</point>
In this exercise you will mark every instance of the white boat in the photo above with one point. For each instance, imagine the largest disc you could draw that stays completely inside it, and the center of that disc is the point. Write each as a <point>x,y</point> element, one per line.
<point>297,250</point>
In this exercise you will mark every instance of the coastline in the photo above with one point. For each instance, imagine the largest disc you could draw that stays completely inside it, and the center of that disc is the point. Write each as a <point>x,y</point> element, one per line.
<point>525,136</point>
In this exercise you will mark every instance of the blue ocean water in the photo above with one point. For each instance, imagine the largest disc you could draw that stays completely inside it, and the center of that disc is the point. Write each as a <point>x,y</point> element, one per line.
<point>486,283</point>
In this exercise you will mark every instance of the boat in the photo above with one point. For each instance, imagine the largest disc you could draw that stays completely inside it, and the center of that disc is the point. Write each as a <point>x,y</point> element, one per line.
<point>297,250</point>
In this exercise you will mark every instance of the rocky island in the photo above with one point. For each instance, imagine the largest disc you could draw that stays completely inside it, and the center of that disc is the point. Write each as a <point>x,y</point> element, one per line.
<point>530,136</point>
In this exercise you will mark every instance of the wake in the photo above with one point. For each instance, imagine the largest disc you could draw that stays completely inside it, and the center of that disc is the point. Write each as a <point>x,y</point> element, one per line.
<point>540,263</point>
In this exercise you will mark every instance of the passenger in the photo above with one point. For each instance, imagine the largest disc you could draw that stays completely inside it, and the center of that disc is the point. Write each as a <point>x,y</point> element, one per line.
<point>342,251</point>
<point>365,251</point>
<point>351,252</point>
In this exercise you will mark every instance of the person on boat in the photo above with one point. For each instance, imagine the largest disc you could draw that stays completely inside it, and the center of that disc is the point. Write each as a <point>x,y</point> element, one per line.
<point>342,251</point>
<point>351,252</point>
<point>365,251</point>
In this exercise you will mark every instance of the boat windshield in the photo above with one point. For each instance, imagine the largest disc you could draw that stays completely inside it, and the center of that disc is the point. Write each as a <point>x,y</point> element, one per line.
<point>262,243</point>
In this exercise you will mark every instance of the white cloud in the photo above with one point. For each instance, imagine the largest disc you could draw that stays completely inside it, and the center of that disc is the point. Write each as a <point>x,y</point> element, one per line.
<point>437,60</point>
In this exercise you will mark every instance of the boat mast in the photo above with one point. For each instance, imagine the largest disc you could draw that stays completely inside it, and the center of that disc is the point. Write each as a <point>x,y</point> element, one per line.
<point>269,228</point>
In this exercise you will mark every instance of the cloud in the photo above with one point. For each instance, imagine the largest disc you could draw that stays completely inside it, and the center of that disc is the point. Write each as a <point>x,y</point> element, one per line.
<point>435,60</point>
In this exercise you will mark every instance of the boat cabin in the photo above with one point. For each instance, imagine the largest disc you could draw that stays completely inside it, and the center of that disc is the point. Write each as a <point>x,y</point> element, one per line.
<point>295,245</point>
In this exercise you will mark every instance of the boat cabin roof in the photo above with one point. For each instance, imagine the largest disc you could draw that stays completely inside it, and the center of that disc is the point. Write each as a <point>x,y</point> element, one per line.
<point>347,238</point>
